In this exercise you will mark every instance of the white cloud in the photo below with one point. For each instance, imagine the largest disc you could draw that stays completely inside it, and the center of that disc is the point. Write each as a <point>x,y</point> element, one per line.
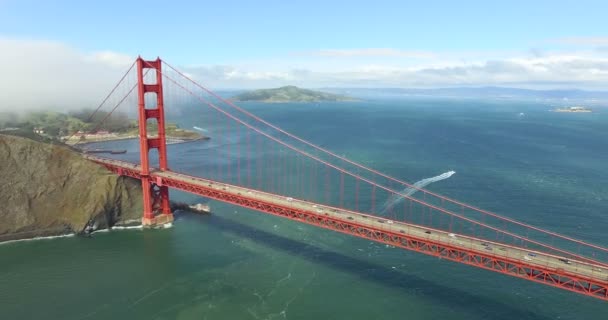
<point>110,58</point>
<point>41,74</point>
<point>551,70</point>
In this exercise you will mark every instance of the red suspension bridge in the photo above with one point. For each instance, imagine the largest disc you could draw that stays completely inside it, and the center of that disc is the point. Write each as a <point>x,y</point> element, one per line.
<point>259,166</point>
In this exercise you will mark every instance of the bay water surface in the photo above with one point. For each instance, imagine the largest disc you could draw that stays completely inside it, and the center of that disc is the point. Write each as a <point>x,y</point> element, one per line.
<point>515,158</point>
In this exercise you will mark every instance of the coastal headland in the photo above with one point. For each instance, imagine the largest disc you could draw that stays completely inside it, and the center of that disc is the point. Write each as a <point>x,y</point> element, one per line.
<point>79,128</point>
<point>42,192</point>
<point>44,171</point>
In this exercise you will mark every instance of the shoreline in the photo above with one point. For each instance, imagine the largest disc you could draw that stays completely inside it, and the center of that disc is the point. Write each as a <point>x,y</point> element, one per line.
<point>170,140</point>
<point>57,233</point>
<point>61,232</point>
<point>42,234</point>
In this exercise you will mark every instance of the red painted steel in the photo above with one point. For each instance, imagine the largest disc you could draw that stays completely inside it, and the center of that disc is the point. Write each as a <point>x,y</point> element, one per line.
<point>155,194</point>
<point>555,277</point>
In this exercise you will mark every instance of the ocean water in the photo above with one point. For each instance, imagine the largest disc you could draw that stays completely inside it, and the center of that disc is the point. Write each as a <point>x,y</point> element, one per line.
<point>547,169</point>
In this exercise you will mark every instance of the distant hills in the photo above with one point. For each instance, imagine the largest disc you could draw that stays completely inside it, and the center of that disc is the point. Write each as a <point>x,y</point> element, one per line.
<point>289,94</point>
<point>477,92</point>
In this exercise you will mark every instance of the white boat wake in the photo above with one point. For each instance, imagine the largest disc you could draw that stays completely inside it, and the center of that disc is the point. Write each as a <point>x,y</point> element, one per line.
<point>395,199</point>
<point>39,238</point>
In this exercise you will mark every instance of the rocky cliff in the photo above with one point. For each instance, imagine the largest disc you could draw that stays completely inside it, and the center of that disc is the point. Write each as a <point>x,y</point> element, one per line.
<point>49,189</point>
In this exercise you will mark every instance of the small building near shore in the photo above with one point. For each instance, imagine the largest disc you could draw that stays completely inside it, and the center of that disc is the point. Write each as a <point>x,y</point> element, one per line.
<point>573,109</point>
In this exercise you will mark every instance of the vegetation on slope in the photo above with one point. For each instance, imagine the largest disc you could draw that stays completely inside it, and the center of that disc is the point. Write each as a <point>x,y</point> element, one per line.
<point>50,189</point>
<point>56,125</point>
<point>172,130</point>
<point>289,94</point>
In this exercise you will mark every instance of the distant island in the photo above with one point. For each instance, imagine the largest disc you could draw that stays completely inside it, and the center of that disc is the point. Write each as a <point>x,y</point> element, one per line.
<point>289,94</point>
<point>573,109</point>
<point>503,93</point>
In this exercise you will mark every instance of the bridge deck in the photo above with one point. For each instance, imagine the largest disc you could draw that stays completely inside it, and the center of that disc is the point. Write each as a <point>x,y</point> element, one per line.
<point>451,239</point>
<point>550,265</point>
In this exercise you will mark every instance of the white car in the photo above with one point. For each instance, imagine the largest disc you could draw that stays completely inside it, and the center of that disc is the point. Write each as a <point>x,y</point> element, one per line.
<point>289,199</point>
<point>452,235</point>
<point>389,221</point>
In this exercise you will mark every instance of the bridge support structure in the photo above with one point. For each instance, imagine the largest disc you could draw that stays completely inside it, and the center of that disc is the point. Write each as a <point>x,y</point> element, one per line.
<point>156,207</point>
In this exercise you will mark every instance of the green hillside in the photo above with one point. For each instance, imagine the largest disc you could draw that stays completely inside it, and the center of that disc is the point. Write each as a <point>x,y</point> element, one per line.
<point>288,94</point>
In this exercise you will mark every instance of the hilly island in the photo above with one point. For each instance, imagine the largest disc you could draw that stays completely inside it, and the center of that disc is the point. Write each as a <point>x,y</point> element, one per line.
<point>289,94</point>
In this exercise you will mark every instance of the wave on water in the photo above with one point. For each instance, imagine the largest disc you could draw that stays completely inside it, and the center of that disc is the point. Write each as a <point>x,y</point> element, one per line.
<point>127,227</point>
<point>40,238</point>
<point>395,199</point>
<point>131,227</point>
<point>114,228</point>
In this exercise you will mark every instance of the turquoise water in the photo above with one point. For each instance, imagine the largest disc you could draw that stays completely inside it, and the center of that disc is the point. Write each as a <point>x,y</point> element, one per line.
<point>548,169</point>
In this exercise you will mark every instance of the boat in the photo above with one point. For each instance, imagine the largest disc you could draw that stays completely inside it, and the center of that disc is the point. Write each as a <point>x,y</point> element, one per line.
<point>95,151</point>
<point>201,208</point>
<point>105,151</point>
<point>573,109</point>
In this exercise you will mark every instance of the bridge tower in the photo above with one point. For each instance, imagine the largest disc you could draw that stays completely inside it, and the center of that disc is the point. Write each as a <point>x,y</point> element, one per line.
<point>157,209</point>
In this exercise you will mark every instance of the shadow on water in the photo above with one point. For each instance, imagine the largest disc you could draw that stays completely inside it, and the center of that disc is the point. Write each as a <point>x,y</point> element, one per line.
<point>484,307</point>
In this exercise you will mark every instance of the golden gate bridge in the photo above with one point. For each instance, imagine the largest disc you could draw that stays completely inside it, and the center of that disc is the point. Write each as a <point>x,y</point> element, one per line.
<point>276,172</point>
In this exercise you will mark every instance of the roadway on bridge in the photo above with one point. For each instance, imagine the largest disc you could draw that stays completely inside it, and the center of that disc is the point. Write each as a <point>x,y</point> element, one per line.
<point>488,248</point>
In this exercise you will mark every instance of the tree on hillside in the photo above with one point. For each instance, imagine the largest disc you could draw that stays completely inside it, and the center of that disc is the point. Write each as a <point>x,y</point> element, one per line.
<point>100,120</point>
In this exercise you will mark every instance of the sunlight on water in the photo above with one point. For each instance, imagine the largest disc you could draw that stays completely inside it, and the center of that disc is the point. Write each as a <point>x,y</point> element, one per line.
<point>549,170</point>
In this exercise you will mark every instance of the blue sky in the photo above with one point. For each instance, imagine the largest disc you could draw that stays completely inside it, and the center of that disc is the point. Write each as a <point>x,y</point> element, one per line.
<point>192,32</point>
<point>249,44</point>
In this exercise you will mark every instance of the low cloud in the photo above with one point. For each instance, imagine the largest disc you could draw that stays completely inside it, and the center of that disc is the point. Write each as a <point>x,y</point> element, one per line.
<point>41,74</point>
<point>548,71</point>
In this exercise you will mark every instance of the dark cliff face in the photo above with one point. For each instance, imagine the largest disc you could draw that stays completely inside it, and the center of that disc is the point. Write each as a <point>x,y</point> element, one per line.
<point>49,189</point>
